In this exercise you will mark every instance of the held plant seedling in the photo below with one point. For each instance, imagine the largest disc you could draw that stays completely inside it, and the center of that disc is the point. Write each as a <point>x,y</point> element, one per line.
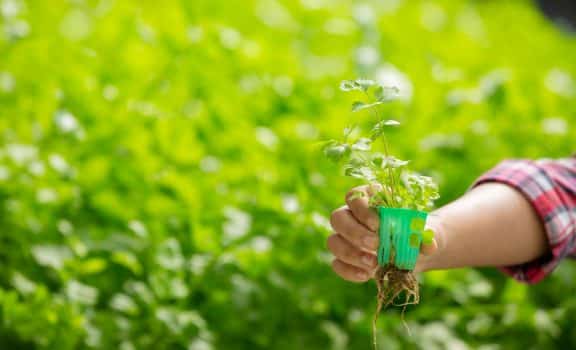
<point>401,197</point>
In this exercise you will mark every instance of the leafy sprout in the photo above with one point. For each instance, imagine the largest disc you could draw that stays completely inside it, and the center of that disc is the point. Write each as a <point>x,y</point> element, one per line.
<point>395,185</point>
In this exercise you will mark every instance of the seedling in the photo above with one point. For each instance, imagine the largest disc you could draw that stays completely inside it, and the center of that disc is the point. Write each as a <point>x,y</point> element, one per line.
<point>400,196</point>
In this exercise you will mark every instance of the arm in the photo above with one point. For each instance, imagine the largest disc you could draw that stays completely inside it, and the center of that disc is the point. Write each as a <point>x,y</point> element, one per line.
<point>492,225</point>
<point>520,217</point>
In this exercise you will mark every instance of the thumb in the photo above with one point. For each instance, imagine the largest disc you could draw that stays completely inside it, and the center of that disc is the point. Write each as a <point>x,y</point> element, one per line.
<point>433,224</point>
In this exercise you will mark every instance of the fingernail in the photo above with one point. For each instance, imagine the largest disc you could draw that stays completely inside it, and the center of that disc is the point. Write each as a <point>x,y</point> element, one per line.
<point>370,242</point>
<point>368,260</point>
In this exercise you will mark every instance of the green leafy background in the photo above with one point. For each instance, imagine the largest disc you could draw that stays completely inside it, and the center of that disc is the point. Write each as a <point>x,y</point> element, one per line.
<point>161,184</point>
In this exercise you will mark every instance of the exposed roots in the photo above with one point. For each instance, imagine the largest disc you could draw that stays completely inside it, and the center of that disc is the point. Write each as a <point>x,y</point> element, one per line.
<point>391,282</point>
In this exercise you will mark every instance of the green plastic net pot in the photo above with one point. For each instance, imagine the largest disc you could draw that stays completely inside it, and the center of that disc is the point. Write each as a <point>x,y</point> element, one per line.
<point>400,233</point>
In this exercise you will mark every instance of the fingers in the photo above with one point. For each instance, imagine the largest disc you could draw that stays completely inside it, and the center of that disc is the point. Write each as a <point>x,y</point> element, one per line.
<point>433,223</point>
<point>349,254</point>
<point>430,251</point>
<point>358,202</point>
<point>349,272</point>
<point>350,245</point>
<point>346,225</point>
<point>356,239</point>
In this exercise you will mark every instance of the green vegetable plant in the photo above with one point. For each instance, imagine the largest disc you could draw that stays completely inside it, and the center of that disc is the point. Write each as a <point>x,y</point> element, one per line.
<point>401,196</point>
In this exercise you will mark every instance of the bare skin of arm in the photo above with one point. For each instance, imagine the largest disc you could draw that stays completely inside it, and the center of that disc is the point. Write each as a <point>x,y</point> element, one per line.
<point>492,225</point>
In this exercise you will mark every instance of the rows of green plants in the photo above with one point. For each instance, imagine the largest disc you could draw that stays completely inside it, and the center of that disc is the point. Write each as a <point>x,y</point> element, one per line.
<point>162,184</point>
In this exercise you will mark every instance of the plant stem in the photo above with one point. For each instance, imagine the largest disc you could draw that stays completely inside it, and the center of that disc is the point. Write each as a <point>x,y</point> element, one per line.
<point>386,153</point>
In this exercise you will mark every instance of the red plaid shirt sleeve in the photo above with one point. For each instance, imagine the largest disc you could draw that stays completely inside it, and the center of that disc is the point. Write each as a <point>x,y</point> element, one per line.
<point>550,186</point>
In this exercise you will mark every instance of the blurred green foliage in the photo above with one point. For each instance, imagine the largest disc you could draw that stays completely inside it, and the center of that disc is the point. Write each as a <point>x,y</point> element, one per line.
<point>161,185</point>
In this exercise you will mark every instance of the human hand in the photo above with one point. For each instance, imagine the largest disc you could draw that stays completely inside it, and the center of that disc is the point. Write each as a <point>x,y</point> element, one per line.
<point>354,242</point>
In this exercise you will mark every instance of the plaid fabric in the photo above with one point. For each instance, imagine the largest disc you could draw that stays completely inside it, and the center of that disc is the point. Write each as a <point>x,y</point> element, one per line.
<point>550,186</point>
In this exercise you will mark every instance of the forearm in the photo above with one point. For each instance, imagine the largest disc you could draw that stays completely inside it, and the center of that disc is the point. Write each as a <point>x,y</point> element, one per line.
<point>492,225</point>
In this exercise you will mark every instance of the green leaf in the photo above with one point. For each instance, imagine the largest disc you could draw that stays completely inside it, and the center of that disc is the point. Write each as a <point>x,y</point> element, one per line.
<point>128,260</point>
<point>358,105</point>
<point>336,151</point>
<point>356,161</point>
<point>81,293</point>
<point>428,236</point>
<point>92,266</point>
<point>393,162</point>
<point>378,159</point>
<point>380,127</point>
<point>362,173</point>
<point>364,84</point>
<point>356,85</point>
<point>363,144</point>
<point>348,85</point>
<point>386,93</point>
<point>51,255</point>
<point>348,131</point>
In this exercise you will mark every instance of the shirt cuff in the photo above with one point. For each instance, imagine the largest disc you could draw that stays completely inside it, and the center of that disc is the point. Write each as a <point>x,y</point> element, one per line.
<point>550,187</point>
